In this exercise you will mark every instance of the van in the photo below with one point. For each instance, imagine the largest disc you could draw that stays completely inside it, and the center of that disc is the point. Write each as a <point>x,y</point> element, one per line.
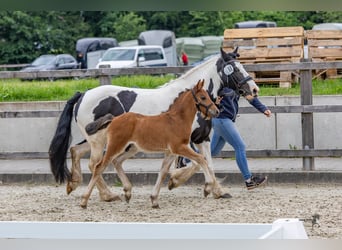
<point>90,49</point>
<point>164,38</point>
<point>133,56</point>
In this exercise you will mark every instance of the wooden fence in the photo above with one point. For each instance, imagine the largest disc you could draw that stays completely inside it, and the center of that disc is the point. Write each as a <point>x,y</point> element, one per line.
<point>306,109</point>
<point>267,45</point>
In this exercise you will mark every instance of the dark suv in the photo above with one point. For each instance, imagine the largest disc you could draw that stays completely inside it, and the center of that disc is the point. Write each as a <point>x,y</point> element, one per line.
<point>52,62</point>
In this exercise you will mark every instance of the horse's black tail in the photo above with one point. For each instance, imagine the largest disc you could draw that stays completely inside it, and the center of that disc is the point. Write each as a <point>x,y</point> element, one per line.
<point>61,142</point>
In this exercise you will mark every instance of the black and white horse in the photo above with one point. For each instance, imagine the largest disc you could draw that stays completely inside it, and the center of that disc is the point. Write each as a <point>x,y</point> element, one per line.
<point>223,70</point>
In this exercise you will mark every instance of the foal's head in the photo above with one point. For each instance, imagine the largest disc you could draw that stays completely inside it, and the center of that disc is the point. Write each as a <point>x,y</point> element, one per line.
<point>203,102</point>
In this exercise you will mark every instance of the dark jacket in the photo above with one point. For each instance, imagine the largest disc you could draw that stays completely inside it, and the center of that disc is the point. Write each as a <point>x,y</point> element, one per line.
<point>229,105</point>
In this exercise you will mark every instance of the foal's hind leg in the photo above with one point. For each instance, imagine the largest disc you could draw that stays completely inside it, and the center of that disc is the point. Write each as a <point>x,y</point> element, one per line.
<point>127,185</point>
<point>95,157</point>
<point>76,152</point>
<point>168,159</point>
<point>96,175</point>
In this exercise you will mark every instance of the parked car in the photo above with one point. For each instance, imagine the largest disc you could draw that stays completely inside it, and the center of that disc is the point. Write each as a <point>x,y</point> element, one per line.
<point>133,56</point>
<point>52,62</point>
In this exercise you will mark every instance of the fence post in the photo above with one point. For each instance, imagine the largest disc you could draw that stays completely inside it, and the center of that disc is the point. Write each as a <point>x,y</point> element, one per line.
<point>105,80</point>
<point>307,117</point>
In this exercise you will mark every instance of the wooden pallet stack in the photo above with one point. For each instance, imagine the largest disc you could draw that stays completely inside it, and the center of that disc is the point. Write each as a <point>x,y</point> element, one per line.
<point>268,45</point>
<point>323,46</point>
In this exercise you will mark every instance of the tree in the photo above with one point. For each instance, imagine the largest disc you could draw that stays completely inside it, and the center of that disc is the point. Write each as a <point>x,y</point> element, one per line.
<point>129,26</point>
<point>26,35</point>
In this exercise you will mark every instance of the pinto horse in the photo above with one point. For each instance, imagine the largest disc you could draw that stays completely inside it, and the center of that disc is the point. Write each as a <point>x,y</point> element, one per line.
<point>168,132</point>
<point>223,70</point>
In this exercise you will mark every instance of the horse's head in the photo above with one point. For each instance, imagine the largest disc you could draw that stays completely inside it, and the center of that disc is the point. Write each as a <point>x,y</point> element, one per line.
<point>203,101</point>
<point>233,75</point>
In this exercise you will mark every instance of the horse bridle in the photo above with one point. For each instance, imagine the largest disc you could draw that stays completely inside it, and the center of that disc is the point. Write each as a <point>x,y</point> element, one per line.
<point>200,104</point>
<point>231,74</point>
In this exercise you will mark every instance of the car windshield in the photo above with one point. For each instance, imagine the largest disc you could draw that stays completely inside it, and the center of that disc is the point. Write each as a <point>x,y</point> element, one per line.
<point>119,55</point>
<point>44,60</point>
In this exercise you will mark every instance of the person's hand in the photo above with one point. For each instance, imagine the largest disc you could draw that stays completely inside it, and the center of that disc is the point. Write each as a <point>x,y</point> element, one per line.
<point>218,100</point>
<point>268,113</point>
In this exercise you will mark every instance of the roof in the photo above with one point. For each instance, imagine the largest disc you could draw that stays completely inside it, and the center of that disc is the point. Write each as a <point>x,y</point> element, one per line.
<point>328,26</point>
<point>255,24</point>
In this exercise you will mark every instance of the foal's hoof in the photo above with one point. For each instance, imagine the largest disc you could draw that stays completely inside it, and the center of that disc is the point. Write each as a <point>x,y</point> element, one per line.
<point>83,204</point>
<point>225,196</point>
<point>127,198</point>
<point>206,193</point>
<point>112,197</point>
<point>172,184</point>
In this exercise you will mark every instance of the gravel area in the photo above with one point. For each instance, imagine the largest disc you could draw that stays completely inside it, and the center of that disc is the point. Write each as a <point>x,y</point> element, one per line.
<point>185,204</point>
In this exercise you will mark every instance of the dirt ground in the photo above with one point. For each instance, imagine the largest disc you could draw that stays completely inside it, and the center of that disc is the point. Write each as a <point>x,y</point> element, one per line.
<point>184,204</point>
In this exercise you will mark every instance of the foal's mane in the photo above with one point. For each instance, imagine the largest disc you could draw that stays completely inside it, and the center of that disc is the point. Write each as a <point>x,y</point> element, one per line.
<point>177,99</point>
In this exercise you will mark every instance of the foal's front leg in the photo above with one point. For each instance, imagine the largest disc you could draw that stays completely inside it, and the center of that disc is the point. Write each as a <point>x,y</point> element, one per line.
<point>187,152</point>
<point>181,175</point>
<point>168,159</point>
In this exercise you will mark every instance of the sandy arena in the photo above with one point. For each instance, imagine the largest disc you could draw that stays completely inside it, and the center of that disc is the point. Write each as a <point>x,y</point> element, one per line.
<point>184,204</point>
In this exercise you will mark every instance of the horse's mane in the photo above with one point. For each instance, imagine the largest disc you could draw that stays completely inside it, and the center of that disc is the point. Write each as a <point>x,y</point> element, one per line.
<point>190,71</point>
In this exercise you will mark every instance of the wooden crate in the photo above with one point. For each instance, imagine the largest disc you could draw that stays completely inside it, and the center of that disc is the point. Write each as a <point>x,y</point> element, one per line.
<point>323,46</point>
<point>268,45</point>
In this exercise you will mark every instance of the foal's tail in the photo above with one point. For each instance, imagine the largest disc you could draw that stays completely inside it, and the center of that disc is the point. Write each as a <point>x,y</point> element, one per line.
<point>61,142</point>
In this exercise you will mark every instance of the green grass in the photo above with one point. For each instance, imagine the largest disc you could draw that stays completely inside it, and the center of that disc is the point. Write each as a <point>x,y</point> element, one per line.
<point>319,87</point>
<point>16,90</point>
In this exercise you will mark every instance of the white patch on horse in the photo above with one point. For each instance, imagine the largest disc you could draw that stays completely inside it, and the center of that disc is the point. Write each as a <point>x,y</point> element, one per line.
<point>251,83</point>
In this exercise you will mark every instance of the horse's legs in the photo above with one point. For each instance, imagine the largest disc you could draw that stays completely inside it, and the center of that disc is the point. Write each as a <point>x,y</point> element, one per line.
<point>95,157</point>
<point>181,175</point>
<point>96,175</point>
<point>187,152</point>
<point>168,159</point>
<point>217,189</point>
<point>76,152</point>
<point>117,162</point>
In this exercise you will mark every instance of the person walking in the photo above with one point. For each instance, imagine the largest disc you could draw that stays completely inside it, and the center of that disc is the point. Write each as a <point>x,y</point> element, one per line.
<point>185,59</point>
<point>225,131</point>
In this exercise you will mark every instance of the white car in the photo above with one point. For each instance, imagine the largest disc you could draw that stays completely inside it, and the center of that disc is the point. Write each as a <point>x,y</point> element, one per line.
<point>133,56</point>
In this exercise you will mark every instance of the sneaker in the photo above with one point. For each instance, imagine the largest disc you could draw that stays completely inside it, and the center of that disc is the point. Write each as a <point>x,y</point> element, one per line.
<point>180,162</point>
<point>256,182</point>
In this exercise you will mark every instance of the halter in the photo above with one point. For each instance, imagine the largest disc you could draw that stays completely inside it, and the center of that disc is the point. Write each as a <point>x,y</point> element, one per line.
<point>199,104</point>
<point>229,73</point>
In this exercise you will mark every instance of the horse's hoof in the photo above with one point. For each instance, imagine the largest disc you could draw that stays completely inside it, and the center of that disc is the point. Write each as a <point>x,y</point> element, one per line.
<point>112,197</point>
<point>71,186</point>
<point>225,196</point>
<point>83,205</point>
<point>68,189</point>
<point>127,198</point>
<point>171,184</point>
<point>156,206</point>
<point>206,193</point>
